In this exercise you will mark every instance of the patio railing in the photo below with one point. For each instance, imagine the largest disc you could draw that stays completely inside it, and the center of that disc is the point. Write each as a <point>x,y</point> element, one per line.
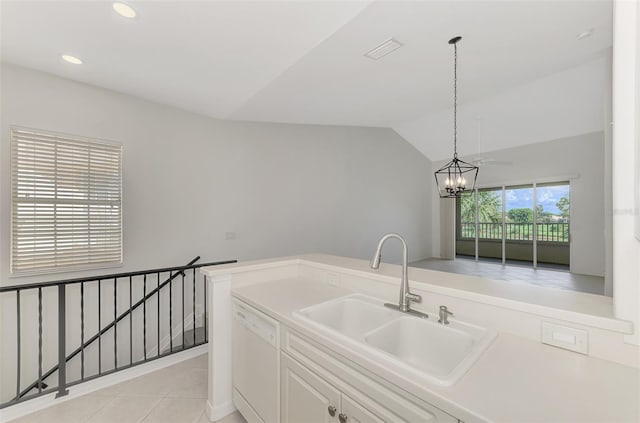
<point>546,232</point>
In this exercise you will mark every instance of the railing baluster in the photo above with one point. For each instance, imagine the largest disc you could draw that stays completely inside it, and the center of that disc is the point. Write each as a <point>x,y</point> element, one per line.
<point>206,333</point>
<point>115,326</point>
<point>194,307</point>
<point>18,364</point>
<point>130,321</point>
<point>99,326</point>
<point>170,313</point>
<point>62,341</point>
<point>63,358</point>
<point>158,310</point>
<point>39,339</point>
<point>82,331</point>
<point>144,316</point>
<point>183,310</point>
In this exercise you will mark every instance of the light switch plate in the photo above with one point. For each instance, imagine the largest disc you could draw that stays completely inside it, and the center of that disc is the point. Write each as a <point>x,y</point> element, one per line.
<point>565,337</point>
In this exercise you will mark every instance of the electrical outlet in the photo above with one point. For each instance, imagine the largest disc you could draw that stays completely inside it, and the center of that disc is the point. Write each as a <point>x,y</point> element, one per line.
<point>332,279</point>
<point>229,235</point>
<point>565,337</point>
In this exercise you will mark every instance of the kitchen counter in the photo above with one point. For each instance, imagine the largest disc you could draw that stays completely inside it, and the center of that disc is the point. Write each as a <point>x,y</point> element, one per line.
<point>577,307</point>
<point>516,379</point>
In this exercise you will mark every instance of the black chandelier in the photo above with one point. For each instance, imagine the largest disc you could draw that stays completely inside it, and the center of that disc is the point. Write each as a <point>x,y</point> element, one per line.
<point>453,178</point>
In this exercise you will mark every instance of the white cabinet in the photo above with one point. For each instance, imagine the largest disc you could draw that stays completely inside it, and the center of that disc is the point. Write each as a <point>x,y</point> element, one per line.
<point>318,388</point>
<point>300,381</point>
<point>356,413</point>
<point>304,396</point>
<point>310,399</point>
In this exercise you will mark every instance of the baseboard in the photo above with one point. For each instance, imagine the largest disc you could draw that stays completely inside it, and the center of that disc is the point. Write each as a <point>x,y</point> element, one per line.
<point>45,401</point>
<point>218,412</point>
<point>245,408</point>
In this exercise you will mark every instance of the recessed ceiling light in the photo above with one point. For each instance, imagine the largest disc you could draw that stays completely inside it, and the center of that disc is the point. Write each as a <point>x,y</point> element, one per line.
<point>585,34</point>
<point>125,10</point>
<point>71,59</point>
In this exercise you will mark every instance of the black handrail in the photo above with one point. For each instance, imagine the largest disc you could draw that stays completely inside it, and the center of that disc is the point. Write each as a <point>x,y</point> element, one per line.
<point>174,272</point>
<point>106,328</point>
<point>10,288</point>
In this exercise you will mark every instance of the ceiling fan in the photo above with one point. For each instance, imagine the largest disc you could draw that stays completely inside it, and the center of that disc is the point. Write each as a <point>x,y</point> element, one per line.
<point>488,161</point>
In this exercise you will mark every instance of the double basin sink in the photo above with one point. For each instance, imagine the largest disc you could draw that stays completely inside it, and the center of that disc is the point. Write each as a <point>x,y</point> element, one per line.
<point>415,346</point>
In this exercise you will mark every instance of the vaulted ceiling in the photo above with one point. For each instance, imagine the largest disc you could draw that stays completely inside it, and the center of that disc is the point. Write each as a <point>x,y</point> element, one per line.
<point>303,62</point>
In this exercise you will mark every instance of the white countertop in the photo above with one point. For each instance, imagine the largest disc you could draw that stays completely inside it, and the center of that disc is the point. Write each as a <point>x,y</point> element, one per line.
<point>515,380</point>
<point>578,307</point>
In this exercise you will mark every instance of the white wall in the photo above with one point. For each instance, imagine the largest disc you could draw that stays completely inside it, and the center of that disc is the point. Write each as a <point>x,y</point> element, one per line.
<point>626,247</point>
<point>189,179</point>
<point>608,174</point>
<point>579,157</point>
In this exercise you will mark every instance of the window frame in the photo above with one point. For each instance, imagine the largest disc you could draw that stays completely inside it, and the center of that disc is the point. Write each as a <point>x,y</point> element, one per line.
<point>90,141</point>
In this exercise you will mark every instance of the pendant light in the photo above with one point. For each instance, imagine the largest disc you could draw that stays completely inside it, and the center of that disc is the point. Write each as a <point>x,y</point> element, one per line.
<point>456,177</point>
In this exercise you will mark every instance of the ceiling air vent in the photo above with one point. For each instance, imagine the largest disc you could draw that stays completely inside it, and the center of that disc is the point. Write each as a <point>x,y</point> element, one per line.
<point>383,49</point>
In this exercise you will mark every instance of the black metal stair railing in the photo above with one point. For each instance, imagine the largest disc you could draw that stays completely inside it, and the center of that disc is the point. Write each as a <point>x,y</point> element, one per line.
<point>23,394</point>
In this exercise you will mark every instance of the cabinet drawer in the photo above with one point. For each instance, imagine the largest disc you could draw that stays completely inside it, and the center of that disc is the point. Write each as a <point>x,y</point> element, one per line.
<point>387,402</point>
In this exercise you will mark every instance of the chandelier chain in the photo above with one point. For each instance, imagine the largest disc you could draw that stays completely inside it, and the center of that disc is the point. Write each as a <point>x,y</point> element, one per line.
<point>457,176</point>
<point>455,100</point>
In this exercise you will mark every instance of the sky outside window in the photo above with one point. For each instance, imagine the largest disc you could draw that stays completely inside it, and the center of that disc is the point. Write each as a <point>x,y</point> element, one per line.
<point>548,196</point>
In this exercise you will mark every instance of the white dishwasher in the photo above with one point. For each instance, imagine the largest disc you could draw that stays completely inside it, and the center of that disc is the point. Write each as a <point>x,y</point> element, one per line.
<point>256,383</point>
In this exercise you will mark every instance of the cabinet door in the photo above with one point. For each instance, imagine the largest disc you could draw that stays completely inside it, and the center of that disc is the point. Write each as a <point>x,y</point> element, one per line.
<point>305,398</point>
<point>356,413</point>
<point>378,399</point>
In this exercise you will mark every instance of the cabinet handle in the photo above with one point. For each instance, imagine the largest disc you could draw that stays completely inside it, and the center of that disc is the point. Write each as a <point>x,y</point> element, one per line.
<point>342,417</point>
<point>332,410</point>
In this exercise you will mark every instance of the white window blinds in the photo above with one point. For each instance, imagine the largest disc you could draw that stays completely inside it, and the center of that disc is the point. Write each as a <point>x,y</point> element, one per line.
<point>66,202</point>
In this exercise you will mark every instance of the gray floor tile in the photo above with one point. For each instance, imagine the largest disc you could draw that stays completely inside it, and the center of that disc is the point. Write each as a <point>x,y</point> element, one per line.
<point>174,394</point>
<point>541,277</point>
<point>77,410</point>
<point>176,410</point>
<point>125,410</point>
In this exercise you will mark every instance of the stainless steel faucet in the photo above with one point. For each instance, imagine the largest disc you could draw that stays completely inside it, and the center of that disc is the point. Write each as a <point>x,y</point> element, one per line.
<point>404,303</point>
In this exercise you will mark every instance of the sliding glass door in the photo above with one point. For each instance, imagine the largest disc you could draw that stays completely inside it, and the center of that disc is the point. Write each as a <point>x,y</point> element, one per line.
<point>516,224</point>
<point>490,224</point>
<point>553,215</point>
<point>518,240</point>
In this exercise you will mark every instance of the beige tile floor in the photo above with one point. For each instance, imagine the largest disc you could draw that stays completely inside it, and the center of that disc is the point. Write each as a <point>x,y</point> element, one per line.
<point>175,394</point>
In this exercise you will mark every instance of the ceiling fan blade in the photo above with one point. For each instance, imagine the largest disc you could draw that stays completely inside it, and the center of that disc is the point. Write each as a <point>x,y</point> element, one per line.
<point>483,161</point>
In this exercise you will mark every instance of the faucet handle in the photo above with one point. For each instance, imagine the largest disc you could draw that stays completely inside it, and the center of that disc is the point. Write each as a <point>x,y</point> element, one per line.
<point>444,309</point>
<point>444,315</point>
<point>414,297</point>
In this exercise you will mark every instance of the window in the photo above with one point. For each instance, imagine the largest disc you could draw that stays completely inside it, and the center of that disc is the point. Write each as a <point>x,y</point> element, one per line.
<point>66,195</point>
<point>516,224</point>
<point>487,203</point>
